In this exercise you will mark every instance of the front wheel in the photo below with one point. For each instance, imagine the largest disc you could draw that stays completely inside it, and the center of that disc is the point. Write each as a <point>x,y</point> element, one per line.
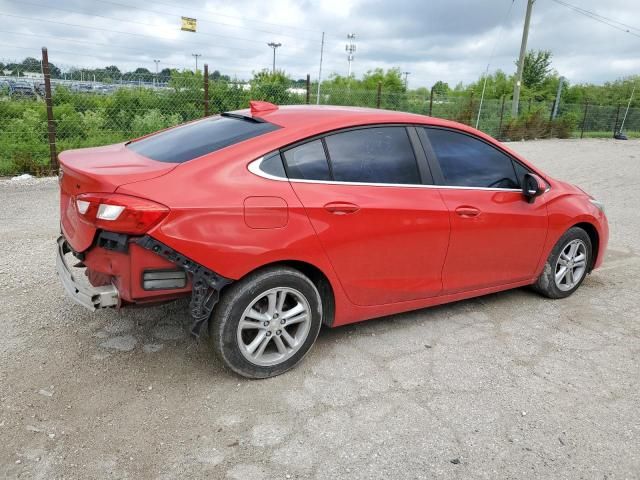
<point>266,323</point>
<point>567,265</point>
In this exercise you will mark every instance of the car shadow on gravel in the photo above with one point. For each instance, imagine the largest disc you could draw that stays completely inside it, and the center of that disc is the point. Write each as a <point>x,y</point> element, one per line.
<point>160,334</point>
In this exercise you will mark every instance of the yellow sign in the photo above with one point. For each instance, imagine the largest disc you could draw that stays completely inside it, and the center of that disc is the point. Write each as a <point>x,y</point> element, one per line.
<point>188,24</point>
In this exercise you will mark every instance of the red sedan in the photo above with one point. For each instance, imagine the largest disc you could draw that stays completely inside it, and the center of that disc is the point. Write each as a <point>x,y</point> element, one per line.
<point>277,220</point>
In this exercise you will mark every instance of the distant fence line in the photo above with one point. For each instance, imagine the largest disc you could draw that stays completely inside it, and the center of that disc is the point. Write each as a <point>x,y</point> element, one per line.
<point>40,117</point>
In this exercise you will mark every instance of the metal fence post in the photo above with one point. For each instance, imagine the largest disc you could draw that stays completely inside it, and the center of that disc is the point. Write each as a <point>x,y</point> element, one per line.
<point>615,125</point>
<point>308,88</point>
<point>51,124</point>
<point>499,136</point>
<point>584,118</point>
<point>206,90</point>
<point>431,100</point>
<point>379,95</point>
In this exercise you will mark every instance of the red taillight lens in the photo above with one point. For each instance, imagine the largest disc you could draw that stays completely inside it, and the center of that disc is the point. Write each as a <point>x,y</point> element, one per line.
<point>119,213</point>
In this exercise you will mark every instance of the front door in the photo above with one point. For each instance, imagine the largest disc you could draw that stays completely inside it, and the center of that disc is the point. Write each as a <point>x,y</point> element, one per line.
<point>497,237</point>
<point>384,232</point>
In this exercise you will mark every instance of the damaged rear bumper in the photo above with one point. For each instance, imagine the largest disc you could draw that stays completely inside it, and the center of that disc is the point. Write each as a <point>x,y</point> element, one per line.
<point>206,284</point>
<point>114,262</point>
<point>88,296</point>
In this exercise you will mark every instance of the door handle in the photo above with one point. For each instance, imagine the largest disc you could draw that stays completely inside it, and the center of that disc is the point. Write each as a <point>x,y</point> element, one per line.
<point>341,208</point>
<point>467,212</point>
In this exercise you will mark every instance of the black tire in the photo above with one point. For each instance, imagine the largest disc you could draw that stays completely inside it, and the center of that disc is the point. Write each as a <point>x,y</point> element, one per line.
<point>223,327</point>
<point>546,283</point>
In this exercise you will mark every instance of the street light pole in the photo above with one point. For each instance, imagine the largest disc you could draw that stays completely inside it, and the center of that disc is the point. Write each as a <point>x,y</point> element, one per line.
<point>523,53</point>
<point>406,79</point>
<point>196,55</point>
<point>274,46</point>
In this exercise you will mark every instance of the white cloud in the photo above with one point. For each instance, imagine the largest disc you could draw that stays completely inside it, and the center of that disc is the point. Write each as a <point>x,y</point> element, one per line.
<point>435,40</point>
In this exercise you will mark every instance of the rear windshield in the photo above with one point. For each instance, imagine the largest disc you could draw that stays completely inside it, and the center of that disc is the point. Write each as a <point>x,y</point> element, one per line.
<point>199,138</point>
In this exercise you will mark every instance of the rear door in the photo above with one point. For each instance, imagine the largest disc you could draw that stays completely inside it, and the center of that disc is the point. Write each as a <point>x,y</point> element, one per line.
<point>496,235</point>
<point>383,228</point>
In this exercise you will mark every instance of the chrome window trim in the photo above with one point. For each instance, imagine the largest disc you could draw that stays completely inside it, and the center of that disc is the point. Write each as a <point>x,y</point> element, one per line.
<point>254,167</point>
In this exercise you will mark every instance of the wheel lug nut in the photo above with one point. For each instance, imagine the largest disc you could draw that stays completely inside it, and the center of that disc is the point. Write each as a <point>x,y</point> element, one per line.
<point>275,315</point>
<point>278,332</point>
<point>266,324</point>
<point>283,321</point>
<point>268,334</point>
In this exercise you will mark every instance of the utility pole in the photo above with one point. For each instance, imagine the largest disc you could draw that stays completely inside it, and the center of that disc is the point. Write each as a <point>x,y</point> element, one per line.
<point>523,52</point>
<point>274,46</point>
<point>196,55</point>
<point>156,62</point>
<point>350,48</point>
<point>320,70</point>
<point>406,79</point>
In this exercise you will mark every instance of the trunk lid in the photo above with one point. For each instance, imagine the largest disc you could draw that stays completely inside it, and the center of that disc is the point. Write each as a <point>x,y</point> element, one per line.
<point>98,170</point>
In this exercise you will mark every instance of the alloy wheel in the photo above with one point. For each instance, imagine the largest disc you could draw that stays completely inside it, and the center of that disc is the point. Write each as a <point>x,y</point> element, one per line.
<point>274,326</point>
<point>571,265</point>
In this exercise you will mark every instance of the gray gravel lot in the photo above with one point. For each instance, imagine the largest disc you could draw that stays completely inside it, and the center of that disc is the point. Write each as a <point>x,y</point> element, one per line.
<point>505,386</point>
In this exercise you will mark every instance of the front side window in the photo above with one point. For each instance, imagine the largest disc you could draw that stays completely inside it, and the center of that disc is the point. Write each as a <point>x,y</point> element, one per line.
<point>468,162</point>
<point>307,162</point>
<point>373,155</point>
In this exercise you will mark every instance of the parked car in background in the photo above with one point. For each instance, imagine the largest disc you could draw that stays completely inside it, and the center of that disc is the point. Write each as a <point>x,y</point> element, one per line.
<point>81,87</point>
<point>277,220</point>
<point>22,88</point>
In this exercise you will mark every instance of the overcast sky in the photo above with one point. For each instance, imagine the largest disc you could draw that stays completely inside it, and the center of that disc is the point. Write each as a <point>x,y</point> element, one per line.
<point>448,40</point>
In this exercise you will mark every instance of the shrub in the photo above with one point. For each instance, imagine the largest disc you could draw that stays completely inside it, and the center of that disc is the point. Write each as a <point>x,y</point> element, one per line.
<point>528,127</point>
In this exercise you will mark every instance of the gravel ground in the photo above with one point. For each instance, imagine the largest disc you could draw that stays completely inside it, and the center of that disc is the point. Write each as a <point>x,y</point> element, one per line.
<point>505,386</point>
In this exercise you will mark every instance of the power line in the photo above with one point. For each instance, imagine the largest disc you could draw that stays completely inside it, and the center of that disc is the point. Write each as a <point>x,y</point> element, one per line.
<point>135,22</point>
<point>602,19</point>
<point>81,42</point>
<point>155,37</point>
<point>252,20</point>
<point>200,19</point>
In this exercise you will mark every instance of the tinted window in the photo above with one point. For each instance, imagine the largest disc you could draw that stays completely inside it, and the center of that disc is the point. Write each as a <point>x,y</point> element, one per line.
<point>468,162</point>
<point>199,138</point>
<point>520,171</point>
<point>373,155</point>
<point>272,164</point>
<point>307,162</point>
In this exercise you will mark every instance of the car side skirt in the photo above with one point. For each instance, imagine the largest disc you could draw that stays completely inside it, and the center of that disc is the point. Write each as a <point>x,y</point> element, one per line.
<point>358,314</point>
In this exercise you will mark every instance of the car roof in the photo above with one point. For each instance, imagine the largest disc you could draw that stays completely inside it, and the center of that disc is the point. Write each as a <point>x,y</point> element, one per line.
<point>321,118</point>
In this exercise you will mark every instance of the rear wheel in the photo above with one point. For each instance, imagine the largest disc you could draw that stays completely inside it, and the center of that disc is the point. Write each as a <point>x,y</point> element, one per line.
<point>567,265</point>
<point>266,323</point>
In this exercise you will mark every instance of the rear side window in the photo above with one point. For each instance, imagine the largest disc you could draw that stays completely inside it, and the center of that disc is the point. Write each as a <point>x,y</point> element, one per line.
<point>196,139</point>
<point>272,165</point>
<point>373,155</point>
<point>468,162</point>
<point>307,162</point>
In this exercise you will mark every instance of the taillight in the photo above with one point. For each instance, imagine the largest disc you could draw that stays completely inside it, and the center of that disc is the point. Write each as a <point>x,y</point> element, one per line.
<point>119,213</point>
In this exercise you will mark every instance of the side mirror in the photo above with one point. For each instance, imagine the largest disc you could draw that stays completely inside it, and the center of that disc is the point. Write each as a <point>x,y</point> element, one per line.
<point>532,186</point>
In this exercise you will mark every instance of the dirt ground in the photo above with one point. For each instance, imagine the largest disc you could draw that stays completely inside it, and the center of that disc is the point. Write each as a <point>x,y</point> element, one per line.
<point>505,386</point>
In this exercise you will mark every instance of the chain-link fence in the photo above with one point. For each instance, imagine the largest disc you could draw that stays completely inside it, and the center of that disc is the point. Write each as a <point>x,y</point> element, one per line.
<point>99,111</point>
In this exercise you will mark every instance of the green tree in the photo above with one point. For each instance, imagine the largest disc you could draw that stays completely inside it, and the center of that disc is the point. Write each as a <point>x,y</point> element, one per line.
<point>391,80</point>
<point>271,87</point>
<point>537,65</point>
<point>31,64</point>
<point>441,88</point>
